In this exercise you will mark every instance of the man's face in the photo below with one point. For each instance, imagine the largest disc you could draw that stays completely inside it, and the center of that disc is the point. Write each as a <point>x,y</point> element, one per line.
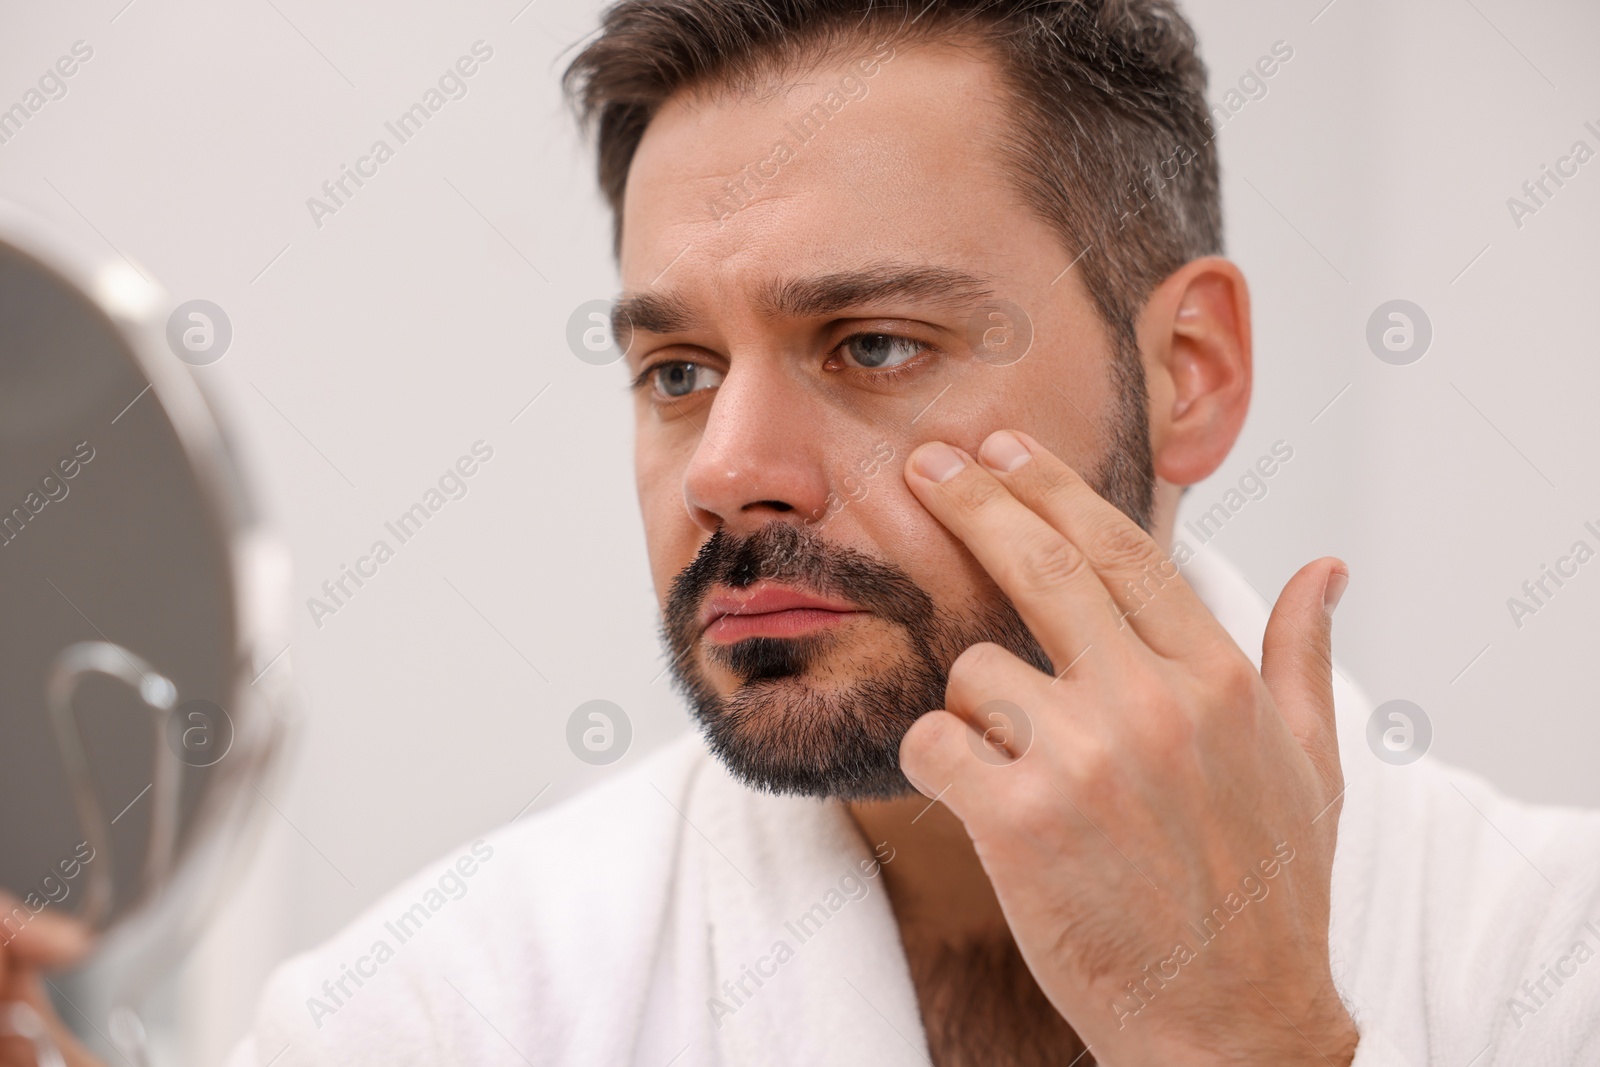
<point>866,283</point>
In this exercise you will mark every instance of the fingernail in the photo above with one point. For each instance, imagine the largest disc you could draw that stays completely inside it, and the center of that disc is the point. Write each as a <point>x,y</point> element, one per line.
<point>1004,452</point>
<point>1337,581</point>
<point>938,462</point>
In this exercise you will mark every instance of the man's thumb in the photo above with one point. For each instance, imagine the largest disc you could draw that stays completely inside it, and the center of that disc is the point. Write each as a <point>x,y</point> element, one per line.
<point>1297,658</point>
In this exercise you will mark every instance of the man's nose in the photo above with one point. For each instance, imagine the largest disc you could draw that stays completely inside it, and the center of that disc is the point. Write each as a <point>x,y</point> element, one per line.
<point>762,455</point>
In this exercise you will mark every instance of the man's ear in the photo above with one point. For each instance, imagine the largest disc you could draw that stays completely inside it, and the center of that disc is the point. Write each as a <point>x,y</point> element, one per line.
<point>1194,333</point>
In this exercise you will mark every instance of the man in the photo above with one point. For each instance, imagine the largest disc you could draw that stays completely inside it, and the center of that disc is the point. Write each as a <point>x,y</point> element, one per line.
<point>929,328</point>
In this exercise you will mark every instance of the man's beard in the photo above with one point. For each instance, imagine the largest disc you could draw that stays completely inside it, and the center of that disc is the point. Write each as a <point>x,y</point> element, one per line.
<point>780,730</point>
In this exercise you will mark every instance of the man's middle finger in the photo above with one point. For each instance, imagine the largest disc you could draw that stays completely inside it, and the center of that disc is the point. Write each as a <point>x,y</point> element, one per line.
<point>1051,583</point>
<point>1152,595</point>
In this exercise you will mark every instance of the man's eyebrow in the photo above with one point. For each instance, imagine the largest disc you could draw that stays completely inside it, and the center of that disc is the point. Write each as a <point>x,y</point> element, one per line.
<point>651,312</point>
<point>828,294</point>
<point>813,297</point>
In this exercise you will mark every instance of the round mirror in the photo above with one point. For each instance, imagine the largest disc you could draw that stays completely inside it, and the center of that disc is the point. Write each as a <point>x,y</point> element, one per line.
<point>143,618</point>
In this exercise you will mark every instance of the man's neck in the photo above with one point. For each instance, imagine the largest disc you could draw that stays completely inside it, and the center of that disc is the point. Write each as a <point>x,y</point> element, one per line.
<point>979,1002</point>
<point>936,883</point>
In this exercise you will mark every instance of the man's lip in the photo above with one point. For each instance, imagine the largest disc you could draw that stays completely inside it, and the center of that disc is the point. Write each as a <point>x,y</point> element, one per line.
<point>764,598</point>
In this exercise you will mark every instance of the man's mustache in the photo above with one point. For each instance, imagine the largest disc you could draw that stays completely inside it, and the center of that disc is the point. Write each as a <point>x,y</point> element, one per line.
<point>790,554</point>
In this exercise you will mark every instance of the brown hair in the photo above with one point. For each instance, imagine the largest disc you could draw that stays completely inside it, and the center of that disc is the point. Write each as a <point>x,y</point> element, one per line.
<point>1110,141</point>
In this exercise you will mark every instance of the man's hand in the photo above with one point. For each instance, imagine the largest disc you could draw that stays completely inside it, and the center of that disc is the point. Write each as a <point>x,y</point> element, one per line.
<point>1160,826</point>
<point>45,941</point>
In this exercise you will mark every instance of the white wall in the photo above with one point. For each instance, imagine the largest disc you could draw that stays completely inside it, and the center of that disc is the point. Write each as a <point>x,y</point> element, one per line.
<point>371,352</point>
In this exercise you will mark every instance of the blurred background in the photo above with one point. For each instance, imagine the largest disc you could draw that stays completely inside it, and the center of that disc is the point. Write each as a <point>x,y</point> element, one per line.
<point>376,343</point>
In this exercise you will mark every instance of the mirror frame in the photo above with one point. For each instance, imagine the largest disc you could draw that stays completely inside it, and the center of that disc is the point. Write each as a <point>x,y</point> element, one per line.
<point>145,942</point>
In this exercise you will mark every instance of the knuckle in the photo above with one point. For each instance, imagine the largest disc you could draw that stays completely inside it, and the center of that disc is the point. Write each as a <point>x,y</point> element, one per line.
<point>1144,698</point>
<point>1096,778</point>
<point>1055,478</point>
<point>1169,744</point>
<point>977,660</point>
<point>973,494</point>
<point>1092,762</point>
<point>972,674</point>
<point>1121,545</point>
<point>927,731</point>
<point>1035,809</point>
<point>1161,731</point>
<point>1235,681</point>
<point>1050,562</point>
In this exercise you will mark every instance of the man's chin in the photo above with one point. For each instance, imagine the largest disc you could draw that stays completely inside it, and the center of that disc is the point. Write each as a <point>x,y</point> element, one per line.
<point>786,735</point>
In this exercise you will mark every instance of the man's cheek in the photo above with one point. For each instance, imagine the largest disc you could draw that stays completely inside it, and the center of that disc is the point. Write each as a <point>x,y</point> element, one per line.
<point>660,464</point>
<point>893,522</point>
<point>670,533</point>
<point>671,543</point>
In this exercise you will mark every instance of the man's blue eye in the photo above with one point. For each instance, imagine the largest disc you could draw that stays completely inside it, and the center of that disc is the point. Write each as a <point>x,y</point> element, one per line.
<point>879,350</point>
<point>681,379</point>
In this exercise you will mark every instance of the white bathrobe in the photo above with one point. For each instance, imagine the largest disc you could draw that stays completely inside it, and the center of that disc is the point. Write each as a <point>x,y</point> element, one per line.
<point>672,917</point>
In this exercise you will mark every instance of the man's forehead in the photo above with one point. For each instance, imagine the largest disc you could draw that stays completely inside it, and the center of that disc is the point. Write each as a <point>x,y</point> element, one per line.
<point>840,166</point>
